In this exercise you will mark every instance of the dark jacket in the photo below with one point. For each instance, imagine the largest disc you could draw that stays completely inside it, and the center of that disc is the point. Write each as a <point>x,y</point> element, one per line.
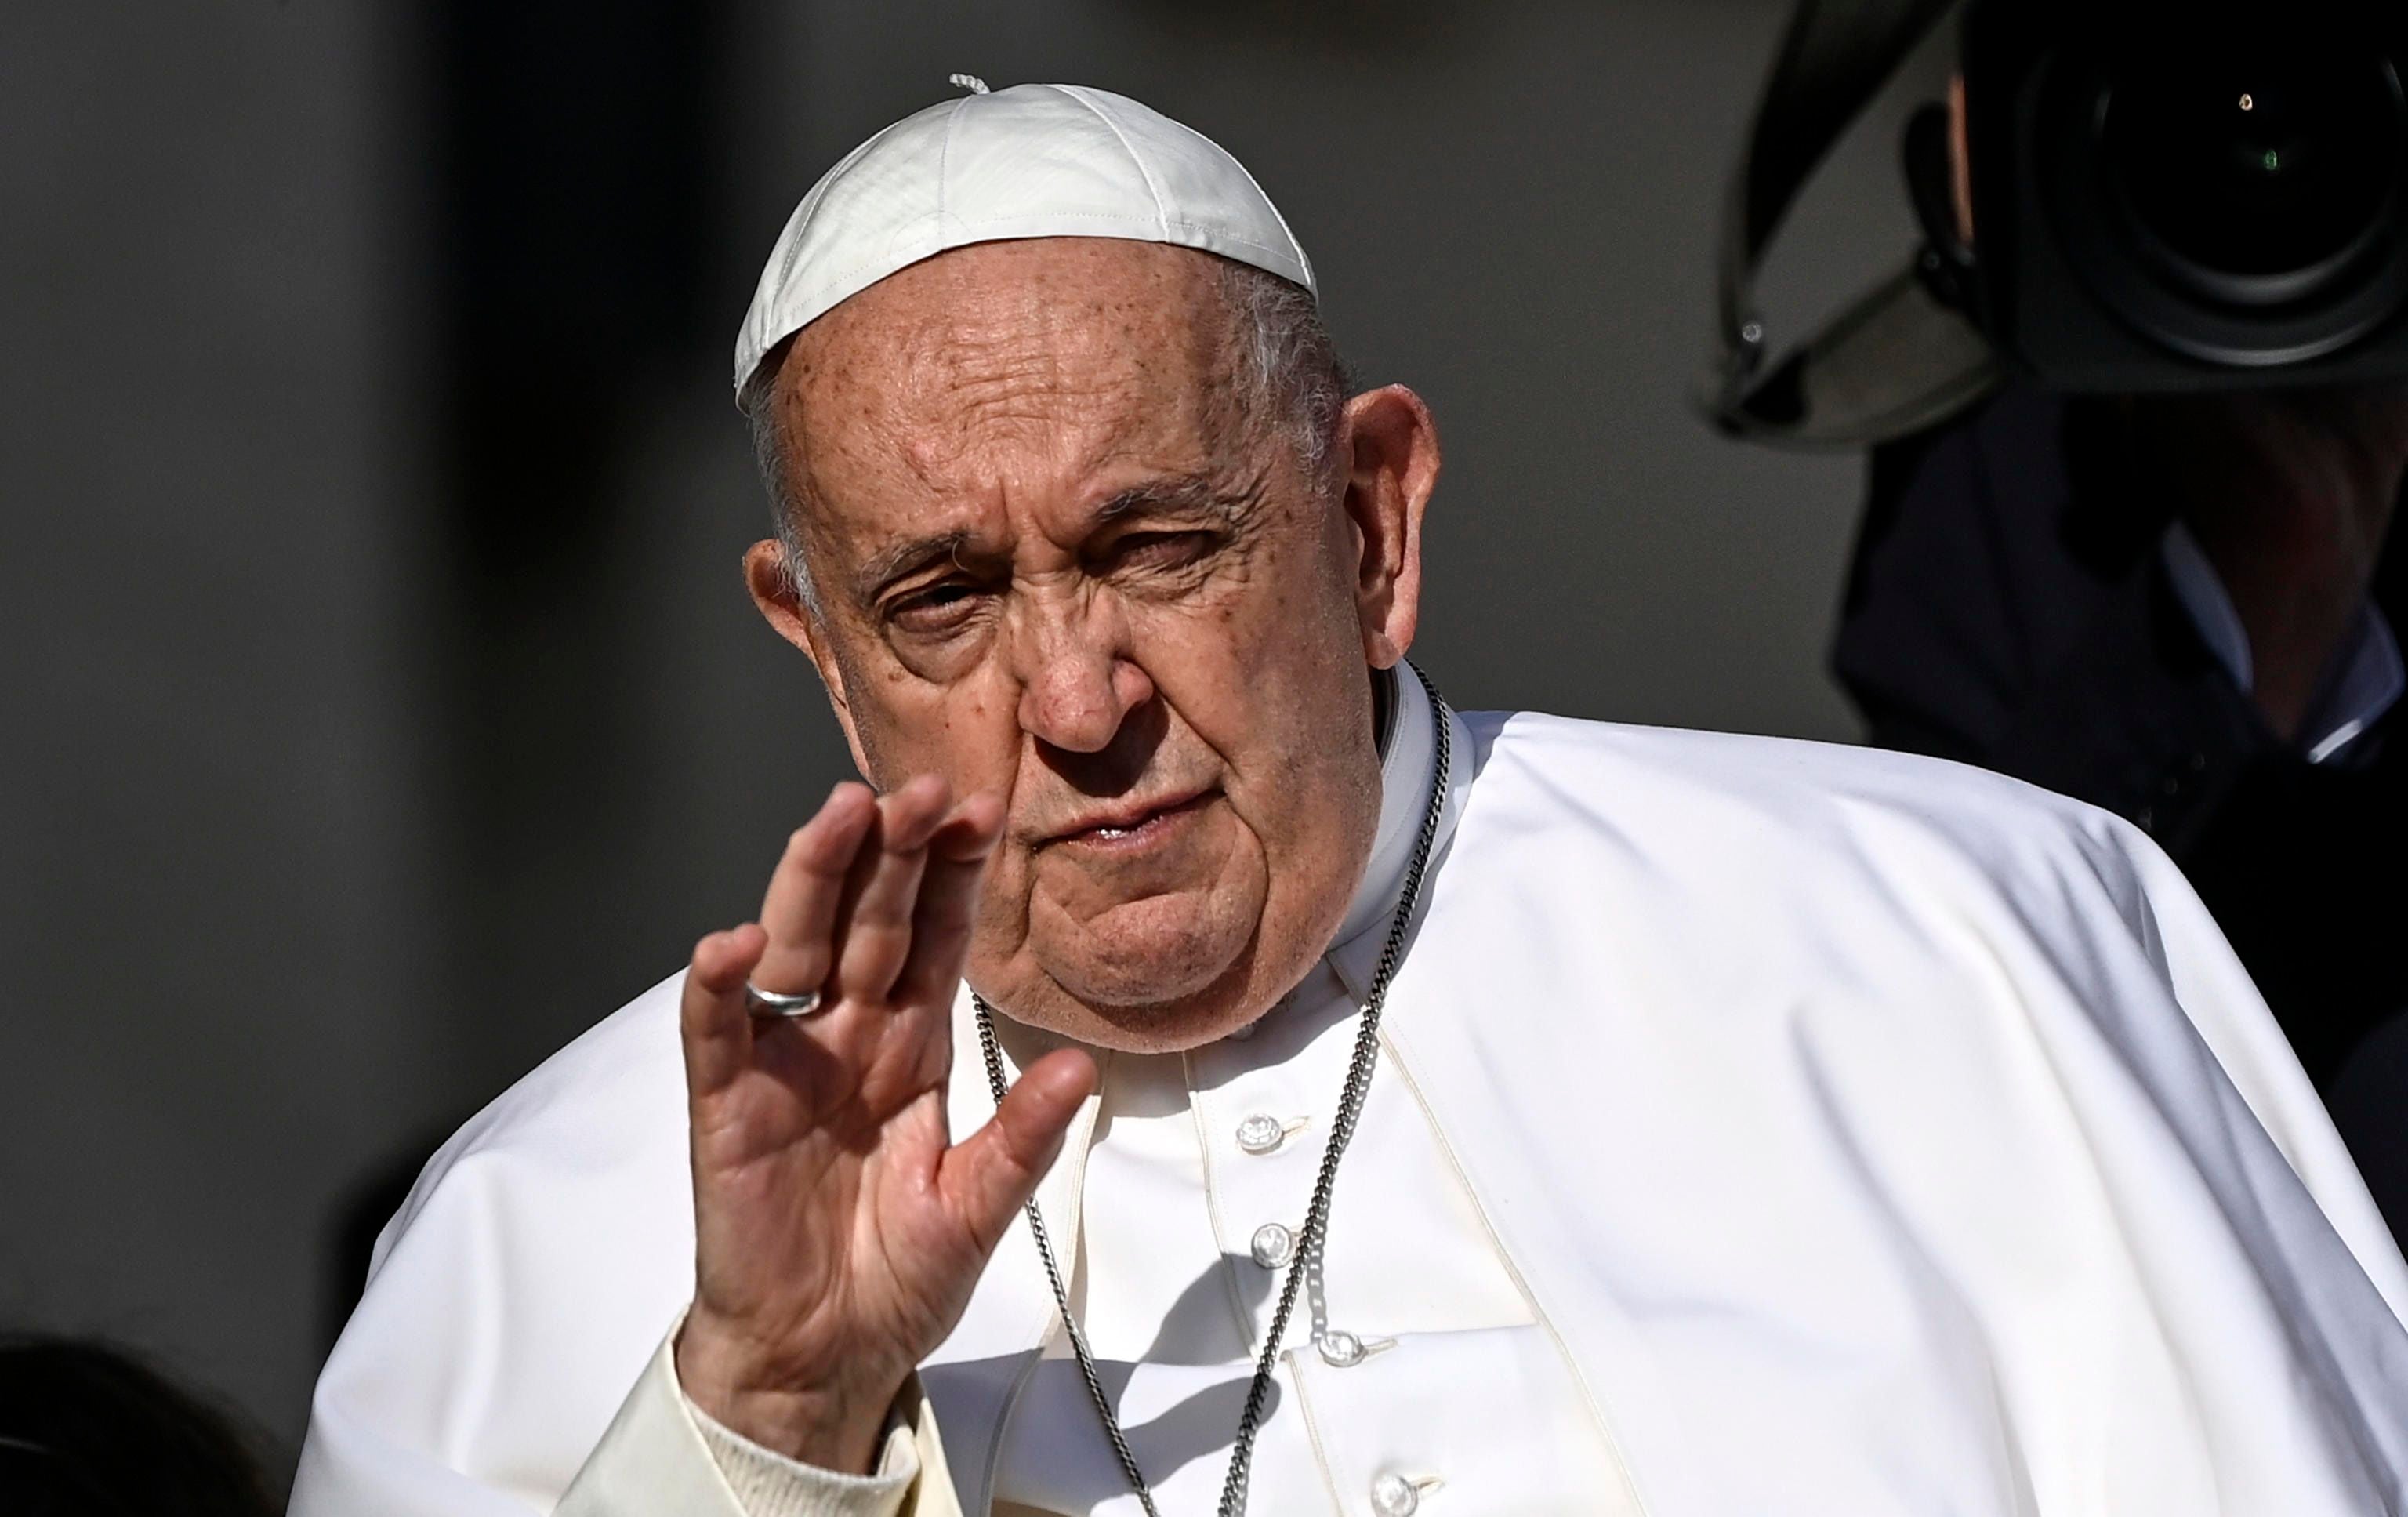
<point>2008,607</point>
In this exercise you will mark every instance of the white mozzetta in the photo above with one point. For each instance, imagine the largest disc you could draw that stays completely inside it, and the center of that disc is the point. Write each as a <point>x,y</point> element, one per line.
<point>1858,1133</point>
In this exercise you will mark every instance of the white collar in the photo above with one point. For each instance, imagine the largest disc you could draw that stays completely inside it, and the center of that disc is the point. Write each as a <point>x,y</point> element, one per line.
<point>1405,777</point>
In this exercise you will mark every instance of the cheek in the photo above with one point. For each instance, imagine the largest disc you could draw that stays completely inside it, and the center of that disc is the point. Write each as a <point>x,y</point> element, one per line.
<point>968,732</point>
<point>1270,674</point>
<point>1301,615</point>
<point>1275,681</point>
<point>1002,924</point>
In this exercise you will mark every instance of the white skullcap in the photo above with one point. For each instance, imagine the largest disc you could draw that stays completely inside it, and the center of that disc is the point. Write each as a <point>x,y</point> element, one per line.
<point>1033,160</point>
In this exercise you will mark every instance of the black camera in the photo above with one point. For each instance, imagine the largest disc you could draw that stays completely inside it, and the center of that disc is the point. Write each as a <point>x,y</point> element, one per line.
<point>2171,196</point>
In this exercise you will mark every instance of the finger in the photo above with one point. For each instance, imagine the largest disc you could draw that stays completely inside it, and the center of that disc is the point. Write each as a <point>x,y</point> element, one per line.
<point>714,1024</point>
<point>874,926</point>
<point>942,922</point>
<point>800,910</point>
<point>991,1174</point>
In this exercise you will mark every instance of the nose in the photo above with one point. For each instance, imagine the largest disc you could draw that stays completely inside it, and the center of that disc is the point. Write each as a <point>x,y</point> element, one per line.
<point>1079,684</point>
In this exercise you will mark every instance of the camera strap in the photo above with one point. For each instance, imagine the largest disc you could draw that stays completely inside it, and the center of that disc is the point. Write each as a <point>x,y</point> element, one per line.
<point>1898,359</point>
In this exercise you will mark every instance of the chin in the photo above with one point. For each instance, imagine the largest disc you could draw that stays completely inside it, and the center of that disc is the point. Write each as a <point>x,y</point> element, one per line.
<point>1171,1027</point>
<point>1160,953</point>
<point>1151,982</point>
<point>1170,971</point>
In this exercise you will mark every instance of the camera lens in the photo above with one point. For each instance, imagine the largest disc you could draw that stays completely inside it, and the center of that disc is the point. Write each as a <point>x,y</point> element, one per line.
<point>2256,175</point>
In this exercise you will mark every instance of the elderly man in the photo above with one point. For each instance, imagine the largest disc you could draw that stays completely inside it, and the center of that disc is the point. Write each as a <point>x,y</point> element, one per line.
<point>1353,1107</point>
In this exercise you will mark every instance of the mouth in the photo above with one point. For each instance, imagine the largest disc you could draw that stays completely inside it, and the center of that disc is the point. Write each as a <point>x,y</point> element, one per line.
<point>1128,827</point>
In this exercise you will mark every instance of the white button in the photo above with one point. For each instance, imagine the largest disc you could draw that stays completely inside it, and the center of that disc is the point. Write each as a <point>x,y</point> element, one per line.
<point>1273,1245</point>
<point>1393,1495</point>
<point>1340,1349</point>
<point>1261,1133</point>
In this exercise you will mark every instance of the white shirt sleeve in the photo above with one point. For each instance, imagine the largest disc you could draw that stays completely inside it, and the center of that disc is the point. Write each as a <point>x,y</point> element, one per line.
<point>664,1456</point>
<point>2366,679</point>
<point>769,1484</point>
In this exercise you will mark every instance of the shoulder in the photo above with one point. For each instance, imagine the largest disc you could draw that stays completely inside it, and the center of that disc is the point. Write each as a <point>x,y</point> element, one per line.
<point>1791,778</point>
<point>1807,813</point>
<point>605,1111</point>
<point>1867,889</point>
<point>525,1282</point>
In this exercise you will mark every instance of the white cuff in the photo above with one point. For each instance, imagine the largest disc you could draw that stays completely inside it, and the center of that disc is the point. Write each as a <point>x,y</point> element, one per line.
<point>661,1457</point>
<point>769,1484</point>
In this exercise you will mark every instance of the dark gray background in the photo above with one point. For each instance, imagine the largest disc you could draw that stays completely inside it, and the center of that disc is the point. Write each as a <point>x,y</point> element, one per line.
<point>381,706</point>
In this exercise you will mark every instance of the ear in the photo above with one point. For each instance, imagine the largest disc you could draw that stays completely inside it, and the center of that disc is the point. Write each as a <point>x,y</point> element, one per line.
<point>773,593</point>
<point>1392,463</point>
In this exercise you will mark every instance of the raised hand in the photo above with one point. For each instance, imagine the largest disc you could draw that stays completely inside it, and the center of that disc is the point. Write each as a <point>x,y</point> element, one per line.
<point>838,1232</point>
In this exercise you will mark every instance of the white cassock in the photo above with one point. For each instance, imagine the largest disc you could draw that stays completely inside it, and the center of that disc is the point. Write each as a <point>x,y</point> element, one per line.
<point>1759,1127</point>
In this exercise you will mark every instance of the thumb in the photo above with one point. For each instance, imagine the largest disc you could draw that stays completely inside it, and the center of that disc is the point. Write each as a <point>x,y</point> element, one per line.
<point>990,1175</point>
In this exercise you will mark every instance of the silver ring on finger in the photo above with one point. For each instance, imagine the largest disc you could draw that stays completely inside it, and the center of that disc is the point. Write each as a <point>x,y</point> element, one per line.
<point>774,1003</point>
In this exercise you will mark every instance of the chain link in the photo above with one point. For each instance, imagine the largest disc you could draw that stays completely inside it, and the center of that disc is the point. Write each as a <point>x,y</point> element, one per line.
<point>1062,1296</point>
<point>1316,1222</point>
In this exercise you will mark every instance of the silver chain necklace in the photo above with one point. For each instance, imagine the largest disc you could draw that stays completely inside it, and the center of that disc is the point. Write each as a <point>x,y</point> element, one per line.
<point>1350,1108</point>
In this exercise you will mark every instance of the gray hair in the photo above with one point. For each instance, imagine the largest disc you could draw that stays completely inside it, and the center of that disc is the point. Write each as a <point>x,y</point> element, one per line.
<point>1289,377</point>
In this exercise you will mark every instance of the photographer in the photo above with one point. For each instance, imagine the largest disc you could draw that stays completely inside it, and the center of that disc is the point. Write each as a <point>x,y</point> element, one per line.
<point>2139,418</point>
<point>2132,575</point>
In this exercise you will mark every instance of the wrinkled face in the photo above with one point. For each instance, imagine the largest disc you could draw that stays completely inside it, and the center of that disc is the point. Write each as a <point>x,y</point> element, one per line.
<point>1058,556</point>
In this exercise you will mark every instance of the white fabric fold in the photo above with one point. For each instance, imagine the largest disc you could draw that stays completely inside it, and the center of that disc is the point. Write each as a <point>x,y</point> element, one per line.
<point>1866,1134</point>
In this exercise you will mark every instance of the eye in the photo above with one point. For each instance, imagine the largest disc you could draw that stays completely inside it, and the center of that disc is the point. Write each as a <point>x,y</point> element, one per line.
<point>1162,549</point>
<point>938,608</point>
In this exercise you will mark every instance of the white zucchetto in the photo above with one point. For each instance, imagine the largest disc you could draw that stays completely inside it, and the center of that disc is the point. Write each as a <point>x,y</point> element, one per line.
<point>1032,161</point>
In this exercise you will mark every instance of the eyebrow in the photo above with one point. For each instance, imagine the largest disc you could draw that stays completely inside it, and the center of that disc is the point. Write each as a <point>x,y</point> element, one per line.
<point>1187,493</point>
<point>904,558</point>
<point>1194,493</point>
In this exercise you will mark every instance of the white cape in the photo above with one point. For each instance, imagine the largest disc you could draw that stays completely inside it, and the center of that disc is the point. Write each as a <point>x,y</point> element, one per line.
<point>1874,1136</point>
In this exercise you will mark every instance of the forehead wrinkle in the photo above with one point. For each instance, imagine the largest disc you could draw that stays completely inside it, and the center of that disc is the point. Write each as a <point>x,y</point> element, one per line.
<point>934,385</point>
<point>959,420</point>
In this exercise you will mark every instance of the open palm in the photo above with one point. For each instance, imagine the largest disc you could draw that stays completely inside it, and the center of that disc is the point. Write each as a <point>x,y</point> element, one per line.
<point>838,1231</point>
